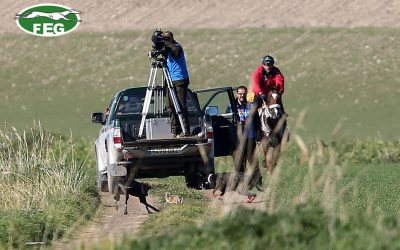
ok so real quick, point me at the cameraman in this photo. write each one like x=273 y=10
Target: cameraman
x=180 y=78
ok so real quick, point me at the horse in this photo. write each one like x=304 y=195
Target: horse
x=273 y=128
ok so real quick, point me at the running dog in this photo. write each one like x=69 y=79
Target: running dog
x=137 y=189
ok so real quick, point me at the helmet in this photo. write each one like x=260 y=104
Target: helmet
x=268 y=60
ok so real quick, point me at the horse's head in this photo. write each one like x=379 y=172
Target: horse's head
x=273 y=103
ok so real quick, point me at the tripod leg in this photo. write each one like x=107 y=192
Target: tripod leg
x=147 y=99
x=174 y=99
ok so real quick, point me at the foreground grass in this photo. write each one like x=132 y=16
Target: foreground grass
x=299 y=227
x=45 y=187
x=319 y=207
x=341 y=195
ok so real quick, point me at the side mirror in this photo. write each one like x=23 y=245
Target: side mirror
x=98 y=117
x=212 y=110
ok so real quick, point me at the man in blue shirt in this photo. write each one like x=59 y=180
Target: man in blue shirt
x=246 y=128
x=176 y=64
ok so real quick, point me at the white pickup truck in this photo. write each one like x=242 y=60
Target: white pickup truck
x=121 y=153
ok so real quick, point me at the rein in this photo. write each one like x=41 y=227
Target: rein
x=272 y=106
x=272 y=115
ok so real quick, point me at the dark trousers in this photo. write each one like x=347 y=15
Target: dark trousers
x=181 y=89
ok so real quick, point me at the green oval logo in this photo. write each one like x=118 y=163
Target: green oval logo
x=48 y=20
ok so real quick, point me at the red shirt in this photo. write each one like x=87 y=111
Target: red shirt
x=263 y=83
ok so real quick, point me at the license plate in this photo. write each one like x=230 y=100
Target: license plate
x=164 y=151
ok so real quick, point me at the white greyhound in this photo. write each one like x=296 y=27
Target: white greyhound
x=53 y=15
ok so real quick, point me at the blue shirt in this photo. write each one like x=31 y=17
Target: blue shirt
x=243 y=112
x=177 y=66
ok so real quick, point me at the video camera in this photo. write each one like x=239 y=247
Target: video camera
x=158 y=44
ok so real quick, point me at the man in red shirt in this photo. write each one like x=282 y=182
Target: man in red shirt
x=267 y=77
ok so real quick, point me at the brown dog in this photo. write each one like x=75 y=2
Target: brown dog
x=137 y=189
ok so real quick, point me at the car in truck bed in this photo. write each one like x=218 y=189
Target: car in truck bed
x=121 y=153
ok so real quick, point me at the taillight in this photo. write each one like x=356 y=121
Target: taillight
x=209 y=131
x=117 y=140
x=210 y=136
x=117 y=136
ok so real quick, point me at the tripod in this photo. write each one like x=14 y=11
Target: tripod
x=157 y=91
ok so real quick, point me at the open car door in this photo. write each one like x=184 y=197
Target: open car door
x=218 y=103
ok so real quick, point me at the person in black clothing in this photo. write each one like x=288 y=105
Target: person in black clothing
x=247 y=143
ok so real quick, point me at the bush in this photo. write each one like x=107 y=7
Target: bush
x=44 y=187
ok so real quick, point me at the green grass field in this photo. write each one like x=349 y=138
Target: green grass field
x=345 y=80
x=341 y=87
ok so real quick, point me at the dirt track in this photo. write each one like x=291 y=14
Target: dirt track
x=108 y=223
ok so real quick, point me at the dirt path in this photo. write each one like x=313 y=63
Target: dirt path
x=108 y=223
x=231 y=200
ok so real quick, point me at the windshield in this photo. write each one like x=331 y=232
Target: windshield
x=131 y=103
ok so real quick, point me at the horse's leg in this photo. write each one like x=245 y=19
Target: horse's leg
x=262 y=148
x=286 y=135
x=268 y=160
x=265 y=148
x=274 y=158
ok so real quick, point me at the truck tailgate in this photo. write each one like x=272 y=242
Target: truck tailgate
x=177 y=147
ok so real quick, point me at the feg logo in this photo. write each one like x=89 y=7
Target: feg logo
x=48 y=20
